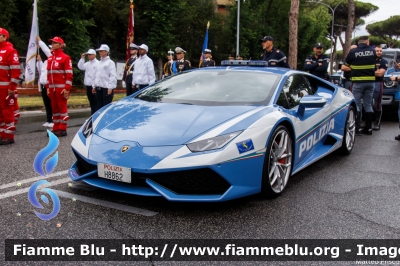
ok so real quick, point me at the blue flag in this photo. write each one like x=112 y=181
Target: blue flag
x=205 y=43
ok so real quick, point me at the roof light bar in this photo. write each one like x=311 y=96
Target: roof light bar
x=244 y=63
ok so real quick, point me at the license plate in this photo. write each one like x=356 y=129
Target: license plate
x=114 y=172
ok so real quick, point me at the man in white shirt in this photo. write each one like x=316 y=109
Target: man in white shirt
x=143 y=74
x=42 y=70
x=90 y=71
x=105 y=79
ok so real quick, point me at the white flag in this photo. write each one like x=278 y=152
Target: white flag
x=30 y=67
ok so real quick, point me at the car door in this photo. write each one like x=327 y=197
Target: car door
x=312 y=127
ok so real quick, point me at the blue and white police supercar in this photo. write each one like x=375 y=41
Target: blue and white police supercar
x=215 y=134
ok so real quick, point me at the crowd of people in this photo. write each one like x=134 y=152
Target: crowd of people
x=363 y=70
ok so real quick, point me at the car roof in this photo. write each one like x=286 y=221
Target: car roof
x=391 y=50
x=272 y=70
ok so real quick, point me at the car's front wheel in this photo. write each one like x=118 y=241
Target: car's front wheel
x=349 y=134
x=278 y=163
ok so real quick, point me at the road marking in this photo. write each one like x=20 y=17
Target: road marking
x=63 y=194
x=104 y=203
x=13 y=184
x=25 y=190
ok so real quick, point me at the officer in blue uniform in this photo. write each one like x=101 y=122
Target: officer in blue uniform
x=169 y=66
x=317 y=64
x=129 y=66
x=181 y=63
x=273 y=56
x=381 y=66
x=361 y=62
x=207 y=62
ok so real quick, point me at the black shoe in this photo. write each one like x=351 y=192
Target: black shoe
x=376 y=127
x=367 y=131
x=397 y=137
x=6 y=141
x=61 y=133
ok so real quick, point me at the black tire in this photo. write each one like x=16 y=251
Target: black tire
x=349 y=134
x=278 y=163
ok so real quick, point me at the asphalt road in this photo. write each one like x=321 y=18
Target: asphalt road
x=339 y=197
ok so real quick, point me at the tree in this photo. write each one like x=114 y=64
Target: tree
x=70 y=21
x=350 y=26
x=293 y=30
x=387 y=30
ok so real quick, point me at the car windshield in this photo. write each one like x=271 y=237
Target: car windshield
x=389 y=56
x=213 y=87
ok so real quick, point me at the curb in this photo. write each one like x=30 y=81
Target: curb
x=41 y=108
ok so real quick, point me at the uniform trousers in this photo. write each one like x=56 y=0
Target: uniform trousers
x=59 y=109
x=47 y=104
x=7 y=126
x=92 y=99
x=378 y=91
x=364 y=91
x=102 y=98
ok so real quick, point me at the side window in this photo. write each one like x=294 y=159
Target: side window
x=295 y=87
x=282 y=101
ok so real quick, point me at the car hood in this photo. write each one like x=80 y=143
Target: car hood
x=160 y=124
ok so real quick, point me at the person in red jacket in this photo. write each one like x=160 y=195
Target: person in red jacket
x=59 y=83
x=10 y=70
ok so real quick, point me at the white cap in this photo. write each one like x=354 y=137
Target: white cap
x=179 y=50
x=133 y=46
x=103 y=47
x=91 y=51
x=144 y=47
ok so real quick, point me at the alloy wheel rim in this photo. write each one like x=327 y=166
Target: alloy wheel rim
x=350 y=130
x=280 y=161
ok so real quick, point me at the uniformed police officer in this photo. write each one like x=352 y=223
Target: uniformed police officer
x=207 y=62
x=129 y=65
x=181 y=63
x=346 y=75
x=170 y=66
x=317 y=64
x=361 y=62
x=273 y=56
x=381 y=66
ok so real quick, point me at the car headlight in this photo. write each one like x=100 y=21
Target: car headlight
x=88 y=128
x=389 y=83
x=212 y=143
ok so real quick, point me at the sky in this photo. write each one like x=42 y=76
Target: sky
x=387 y=8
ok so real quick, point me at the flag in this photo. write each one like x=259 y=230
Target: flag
x=205 y=43
x=30 y=68
x=131 y=25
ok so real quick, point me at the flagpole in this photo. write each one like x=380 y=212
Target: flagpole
x=205 y=43
x=238 y=26
x=30 y=67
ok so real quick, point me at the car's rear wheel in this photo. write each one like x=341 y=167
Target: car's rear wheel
x=349 y=131
x=278 y=163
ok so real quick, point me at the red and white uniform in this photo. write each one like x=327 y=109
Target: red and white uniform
x=10 y=71
x=59 y=77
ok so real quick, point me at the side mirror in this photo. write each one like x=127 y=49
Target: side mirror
x=311 y=101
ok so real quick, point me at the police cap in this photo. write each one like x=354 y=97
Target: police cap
x=267 y=38
x=318 y=45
